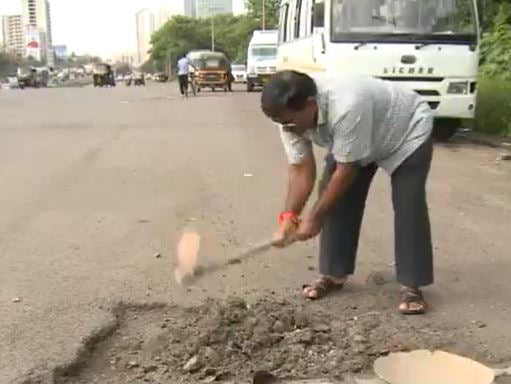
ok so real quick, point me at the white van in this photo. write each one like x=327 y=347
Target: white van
x=431 y=45
x=261 y=58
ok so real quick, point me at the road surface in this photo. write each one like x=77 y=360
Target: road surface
x=96 y=182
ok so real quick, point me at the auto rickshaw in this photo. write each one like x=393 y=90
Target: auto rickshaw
x=103 y=75
x=32 y=77
x=138 y=78
x=212 y=71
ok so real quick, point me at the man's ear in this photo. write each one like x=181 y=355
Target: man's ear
x=311 y=102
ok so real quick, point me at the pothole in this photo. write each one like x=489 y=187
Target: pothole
x=230 y=340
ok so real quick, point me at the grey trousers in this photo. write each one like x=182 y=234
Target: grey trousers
x=412 y=233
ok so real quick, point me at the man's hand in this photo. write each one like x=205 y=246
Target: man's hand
x=285 y=233
x=310 y=227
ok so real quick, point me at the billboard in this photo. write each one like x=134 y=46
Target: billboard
x=60 y=51
x=32 y=42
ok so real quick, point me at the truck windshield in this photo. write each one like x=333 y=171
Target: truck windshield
x=265 y=52
x=24 y=71
x=404 y=20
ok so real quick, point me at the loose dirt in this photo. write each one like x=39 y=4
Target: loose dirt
x=230 y=340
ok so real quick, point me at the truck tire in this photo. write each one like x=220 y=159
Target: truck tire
x=250 y=86
x=445 y=128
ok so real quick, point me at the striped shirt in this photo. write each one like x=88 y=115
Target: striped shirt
x=364 y=121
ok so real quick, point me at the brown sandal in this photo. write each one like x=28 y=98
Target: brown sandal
x=412 y=296
x=322 y=286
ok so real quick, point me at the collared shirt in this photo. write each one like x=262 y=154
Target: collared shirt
x=364 y=120
x=182 y=66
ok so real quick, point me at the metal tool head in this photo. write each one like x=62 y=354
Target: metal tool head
x=188 y=270
x=187 y=256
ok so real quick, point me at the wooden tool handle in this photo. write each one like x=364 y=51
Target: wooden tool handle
x=201 y=271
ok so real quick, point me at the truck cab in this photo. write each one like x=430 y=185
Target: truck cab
x=261 y=58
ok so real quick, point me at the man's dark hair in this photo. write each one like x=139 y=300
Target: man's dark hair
x=287 y=89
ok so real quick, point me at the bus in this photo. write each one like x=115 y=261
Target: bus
x=430 y=45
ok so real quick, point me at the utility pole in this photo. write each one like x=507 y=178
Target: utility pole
x=212 y=25
x=213 y=33
x=264 y=15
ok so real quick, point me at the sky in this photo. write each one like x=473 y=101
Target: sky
x=99 y=27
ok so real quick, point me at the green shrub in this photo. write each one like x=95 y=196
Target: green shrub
x=493 y=112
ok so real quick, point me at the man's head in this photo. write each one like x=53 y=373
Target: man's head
x=289 y=98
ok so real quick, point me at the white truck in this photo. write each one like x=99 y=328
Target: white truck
x=430 y=45
x=261 y=58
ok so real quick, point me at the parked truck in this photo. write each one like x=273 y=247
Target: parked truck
x=261 y=58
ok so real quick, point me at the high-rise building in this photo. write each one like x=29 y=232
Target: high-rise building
x=12 y=31
x=183 y=7
x=149 y=21
x=145 y=29
x=61 y=52
x=36 y=20
x=161 y=16
x=207 y=8
x=124 y=58
x=189 y=8
x=239 y=7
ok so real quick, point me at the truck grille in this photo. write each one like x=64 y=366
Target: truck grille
x=411 y=78
x=427 y=92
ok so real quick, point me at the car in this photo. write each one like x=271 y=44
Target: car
x=239 y=71
x=161 y=77
x=12 y=82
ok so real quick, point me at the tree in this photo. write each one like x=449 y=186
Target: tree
x=496 y=46
x=122 y=68
x=181 y=35
x=271 y=12
x=7 y=64
x=232 y=33
x=148 y=67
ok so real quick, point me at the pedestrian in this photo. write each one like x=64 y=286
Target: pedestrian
x=230 y=77
x=191 y=78
x=365 y=124
x=182 y=73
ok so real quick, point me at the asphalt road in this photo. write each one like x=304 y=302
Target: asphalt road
x=95 y=182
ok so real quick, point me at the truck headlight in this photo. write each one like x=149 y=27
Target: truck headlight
x=458 y=88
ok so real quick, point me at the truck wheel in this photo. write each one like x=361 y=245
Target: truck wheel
x=445 y=128
x=250 y=86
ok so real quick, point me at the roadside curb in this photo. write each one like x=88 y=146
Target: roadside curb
x=491 y=141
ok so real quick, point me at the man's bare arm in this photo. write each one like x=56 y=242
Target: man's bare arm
x=300 y=184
